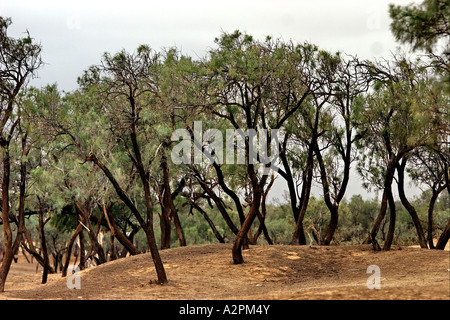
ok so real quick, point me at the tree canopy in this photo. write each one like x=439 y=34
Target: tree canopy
x=158 y=149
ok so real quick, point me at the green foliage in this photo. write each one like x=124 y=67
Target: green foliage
x=421 y=25
x=128 y=105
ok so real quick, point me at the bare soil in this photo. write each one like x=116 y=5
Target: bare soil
x=277 y=272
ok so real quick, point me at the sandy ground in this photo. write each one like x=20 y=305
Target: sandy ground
x=278 y=272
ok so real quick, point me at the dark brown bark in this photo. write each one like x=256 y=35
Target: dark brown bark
x=169 y=201
x=287 y=175
x=262 y=228
x=115 y=231
x=443 y=239
x=10 y=246
x=112 y=250
x=237 y=246
x=27 y=244
x=379 y=219
x=43 y=241
x=434 y=196
x=75 y=234
x=147 y=226
x=7 y=233
x=332 y=206
x=92 y=236
x=229 y=192
x=165 y=223
x=408 y=206
x=219 y=203
x=298 y=236
x=262 y=216
x=210 y=222
x=392 y=210
x=82 y=249
x=22 y=61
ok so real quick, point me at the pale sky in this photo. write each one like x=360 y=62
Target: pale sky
x=75 y=34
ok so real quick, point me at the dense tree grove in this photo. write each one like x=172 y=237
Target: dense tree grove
x=141 y=156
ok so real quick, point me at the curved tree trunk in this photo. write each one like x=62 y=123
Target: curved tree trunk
x=298 y=236
x=165 y=224
x=242 y=234
x=332 y=225
x=210 y=222
x=445 y=236
x=169 y=201
x=75 y=234
x=8 y=253
x=431 y=204
x=43 y=241
x=392 y=211
x=146 y=226
x=217 y=201
x=116 y=233
x=378 y=220
x=408 y=206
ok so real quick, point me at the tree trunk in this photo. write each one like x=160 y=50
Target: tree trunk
x=332 y=207
x=329 y=233
x=287 y=175
x=433 y=199
x=82 y=249
x=146 y=226
x=116 y=233
x=392 y=212
x=168 y=194
x=379 y=219
x=165 y=224
x=216 y=200
x=92 y=236
x=10 y=246
x=242 y=234
x=43 y=241
x=77 y=231
x=144 y=175
x=443 y=239
x=262 y=228
x=262 y=215
x=112 y=250
x=409 y=207
x=299 y=234
x=230 y=193
x=150 y=235
x=430 y=220
x=210 y=222
x=8 y=253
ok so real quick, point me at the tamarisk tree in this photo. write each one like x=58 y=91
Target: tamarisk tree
x=19 y=61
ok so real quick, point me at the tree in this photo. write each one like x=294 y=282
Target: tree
x=293 y=91
x=429 y=169
x=426 y=27
x=19 y=61
x=398 y=117
x=244 y=73
x=346 y=85
x=128 y=84
x=423 y=25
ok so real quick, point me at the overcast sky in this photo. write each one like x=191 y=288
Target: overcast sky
x=74 y=34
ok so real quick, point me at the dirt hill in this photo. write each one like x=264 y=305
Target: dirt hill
x=269 y=272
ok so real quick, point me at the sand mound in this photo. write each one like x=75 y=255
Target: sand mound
x=269 y=272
